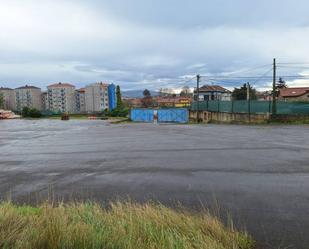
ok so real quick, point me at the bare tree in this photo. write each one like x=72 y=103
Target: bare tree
x=185 y=92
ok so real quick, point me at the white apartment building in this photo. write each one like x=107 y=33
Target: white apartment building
x=80 y=100
x=8 y=97
x=45 y=106
x=28 y=96
x=96 y=96
x=61 y=97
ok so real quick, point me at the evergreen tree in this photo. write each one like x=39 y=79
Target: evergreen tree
x=119 y=99
x=146 y=93
x=120 y=110
x=241 y=93
x=281 y=83
x=1 y=101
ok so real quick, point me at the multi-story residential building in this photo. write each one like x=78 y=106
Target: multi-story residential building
x=45 y=106
x=99 y=97
x=8 y=98
x=80 y=100
x=212 y=92
x=28 y=96
x=61 y=97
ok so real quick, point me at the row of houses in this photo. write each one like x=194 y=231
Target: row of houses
x=216 y=92
x=168 y=101
x=61 y=98
x=287 y=94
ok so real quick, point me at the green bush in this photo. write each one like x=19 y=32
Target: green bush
x=118 y=112
x=31 y=113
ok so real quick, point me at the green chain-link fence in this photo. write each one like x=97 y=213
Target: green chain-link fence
x=253 y=106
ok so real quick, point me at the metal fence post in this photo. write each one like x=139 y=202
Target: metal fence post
x=249 y=109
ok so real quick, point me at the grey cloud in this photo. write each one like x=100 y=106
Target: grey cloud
x=146 y=43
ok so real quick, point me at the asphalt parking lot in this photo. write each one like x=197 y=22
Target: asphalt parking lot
x=259 y=174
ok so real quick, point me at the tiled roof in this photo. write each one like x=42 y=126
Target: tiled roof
x=5 y=88
x=61 y=85
x=294 y=92
x=28 y=87
x=213 y=88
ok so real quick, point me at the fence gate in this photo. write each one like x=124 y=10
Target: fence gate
x=142 y=115
x=172 y=115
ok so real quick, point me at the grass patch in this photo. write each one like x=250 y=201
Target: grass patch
x=120 y=226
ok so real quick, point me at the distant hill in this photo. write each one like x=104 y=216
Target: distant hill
x=137 y=93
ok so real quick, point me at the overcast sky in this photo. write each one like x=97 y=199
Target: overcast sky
x=143 y=43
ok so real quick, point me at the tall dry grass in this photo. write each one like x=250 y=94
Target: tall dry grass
x=121 y=226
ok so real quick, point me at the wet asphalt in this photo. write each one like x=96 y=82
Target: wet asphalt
x=257 y=174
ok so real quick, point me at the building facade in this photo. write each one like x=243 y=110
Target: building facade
x=45 y=106
x=61 y=98
x=133 y=102
x=28 y=96
x=8 y=98
x=213 y=92
x=97 y=97
x=173 y=101
x=80 y=100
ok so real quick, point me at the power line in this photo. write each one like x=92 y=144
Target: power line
x=293 y=63
x=254 y=77
x=248 y=70
x=296 y=67
x=260 y=78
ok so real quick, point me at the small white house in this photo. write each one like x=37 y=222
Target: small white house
x=213 y=92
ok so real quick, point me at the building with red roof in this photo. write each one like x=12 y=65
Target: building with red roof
x=294 y=94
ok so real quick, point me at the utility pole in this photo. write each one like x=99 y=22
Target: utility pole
x=198 y=77
x=274 y=107
x=248 y=100
x=248 y=91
